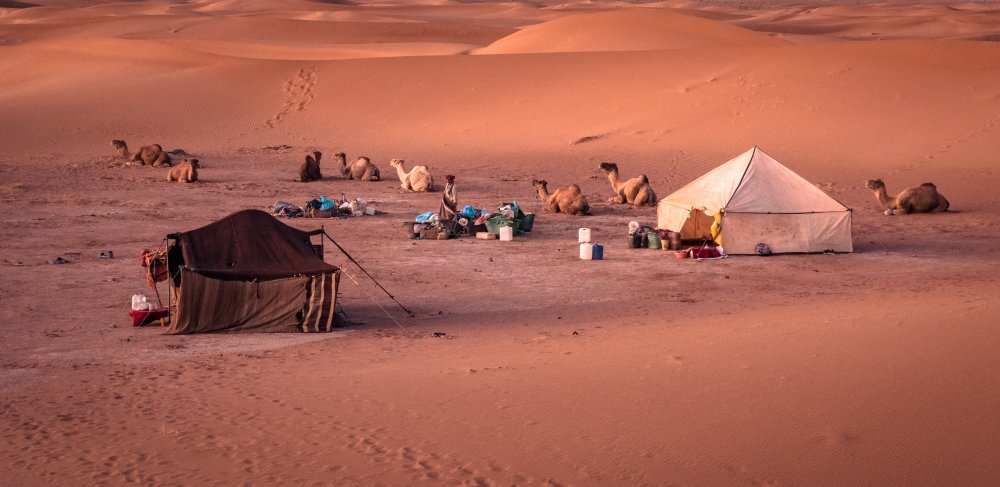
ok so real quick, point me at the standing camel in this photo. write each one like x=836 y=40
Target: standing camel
x=921 y=199
x=635 y=191
x=568 y=199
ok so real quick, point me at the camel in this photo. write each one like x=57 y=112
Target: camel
x=635 y=191
x=417 y=179
x=185 y=172
x=921 y=199
x=568 y=199
x=309 y=170
x=152 y=155
x=361 y=169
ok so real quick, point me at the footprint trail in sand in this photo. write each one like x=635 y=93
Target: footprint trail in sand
x=297 y=93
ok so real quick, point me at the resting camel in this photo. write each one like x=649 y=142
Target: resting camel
x=921 y=199
x=568 y=199
x=417 y=179
x=361 y=169
x=185 y=172
x=152 y=155
x=635 y=191
x=309 y=170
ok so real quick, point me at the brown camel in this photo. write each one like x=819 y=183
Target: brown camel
x=152 y=155
x=921 y=199
x=568 y=199
x=185 y=172
x=361 y=169
x=635 y=191
x=417 y=179
x=309 y=170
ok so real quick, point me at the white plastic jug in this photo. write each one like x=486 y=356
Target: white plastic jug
x=584 y=235
x=507 y=233
x=139 y=301
x=586 y=251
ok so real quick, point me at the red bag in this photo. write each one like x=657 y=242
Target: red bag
x=705 y=253
x=157 y=316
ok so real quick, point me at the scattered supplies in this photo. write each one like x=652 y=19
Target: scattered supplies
x=508 y=221
x=323 y=207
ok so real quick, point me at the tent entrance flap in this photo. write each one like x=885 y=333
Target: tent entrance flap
x=698 y=226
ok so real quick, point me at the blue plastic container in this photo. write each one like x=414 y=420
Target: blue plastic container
x=598 y=252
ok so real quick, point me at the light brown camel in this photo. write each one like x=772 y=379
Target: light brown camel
x=635 y=191
x=921 y=199
x=185 y=172
x=152 y=155
x=361 y=169
x=417 y=179
x=568 y=199
x=309 y=170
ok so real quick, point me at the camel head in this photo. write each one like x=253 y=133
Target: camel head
x=318 y=155
x=194 y=163
x=539 y=183
x=340 y=157
x=874 y=184
x=396 y=162
x=609 y=167
x=120 y=147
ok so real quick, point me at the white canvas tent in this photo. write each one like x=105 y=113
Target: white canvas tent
x=758 y=200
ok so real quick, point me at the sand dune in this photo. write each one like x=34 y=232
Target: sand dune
x=625 y=30
x=875 y=367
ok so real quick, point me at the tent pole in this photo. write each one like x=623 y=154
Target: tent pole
x=367 y=274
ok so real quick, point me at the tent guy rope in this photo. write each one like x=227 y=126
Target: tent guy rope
x=387 y=293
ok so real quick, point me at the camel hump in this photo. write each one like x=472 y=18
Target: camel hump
x=643 y=179
x=930 y=185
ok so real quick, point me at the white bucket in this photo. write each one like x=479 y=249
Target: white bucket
x=507 y=233
x=138 y=301
x=369 y=210
x=584 y=235
x=586 y=251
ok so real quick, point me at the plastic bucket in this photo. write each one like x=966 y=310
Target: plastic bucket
x=506 y=234
x=586 y=251
x=598 y=252
x=492 y=226
x=527 y=222
x=583 y=235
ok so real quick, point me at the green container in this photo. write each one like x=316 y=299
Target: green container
x=653 y=240
x=493 y=225
x=527 y=222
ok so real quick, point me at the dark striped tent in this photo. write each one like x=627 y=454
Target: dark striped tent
x=249 y=272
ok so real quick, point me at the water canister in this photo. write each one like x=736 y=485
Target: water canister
x=584 y=235
x=598 y=252
x=507 y=233
x=138 y=301
x=586 y=251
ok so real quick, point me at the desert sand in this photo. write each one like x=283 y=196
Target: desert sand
x=877 y=367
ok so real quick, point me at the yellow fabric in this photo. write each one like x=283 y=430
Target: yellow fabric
x=717 y=229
